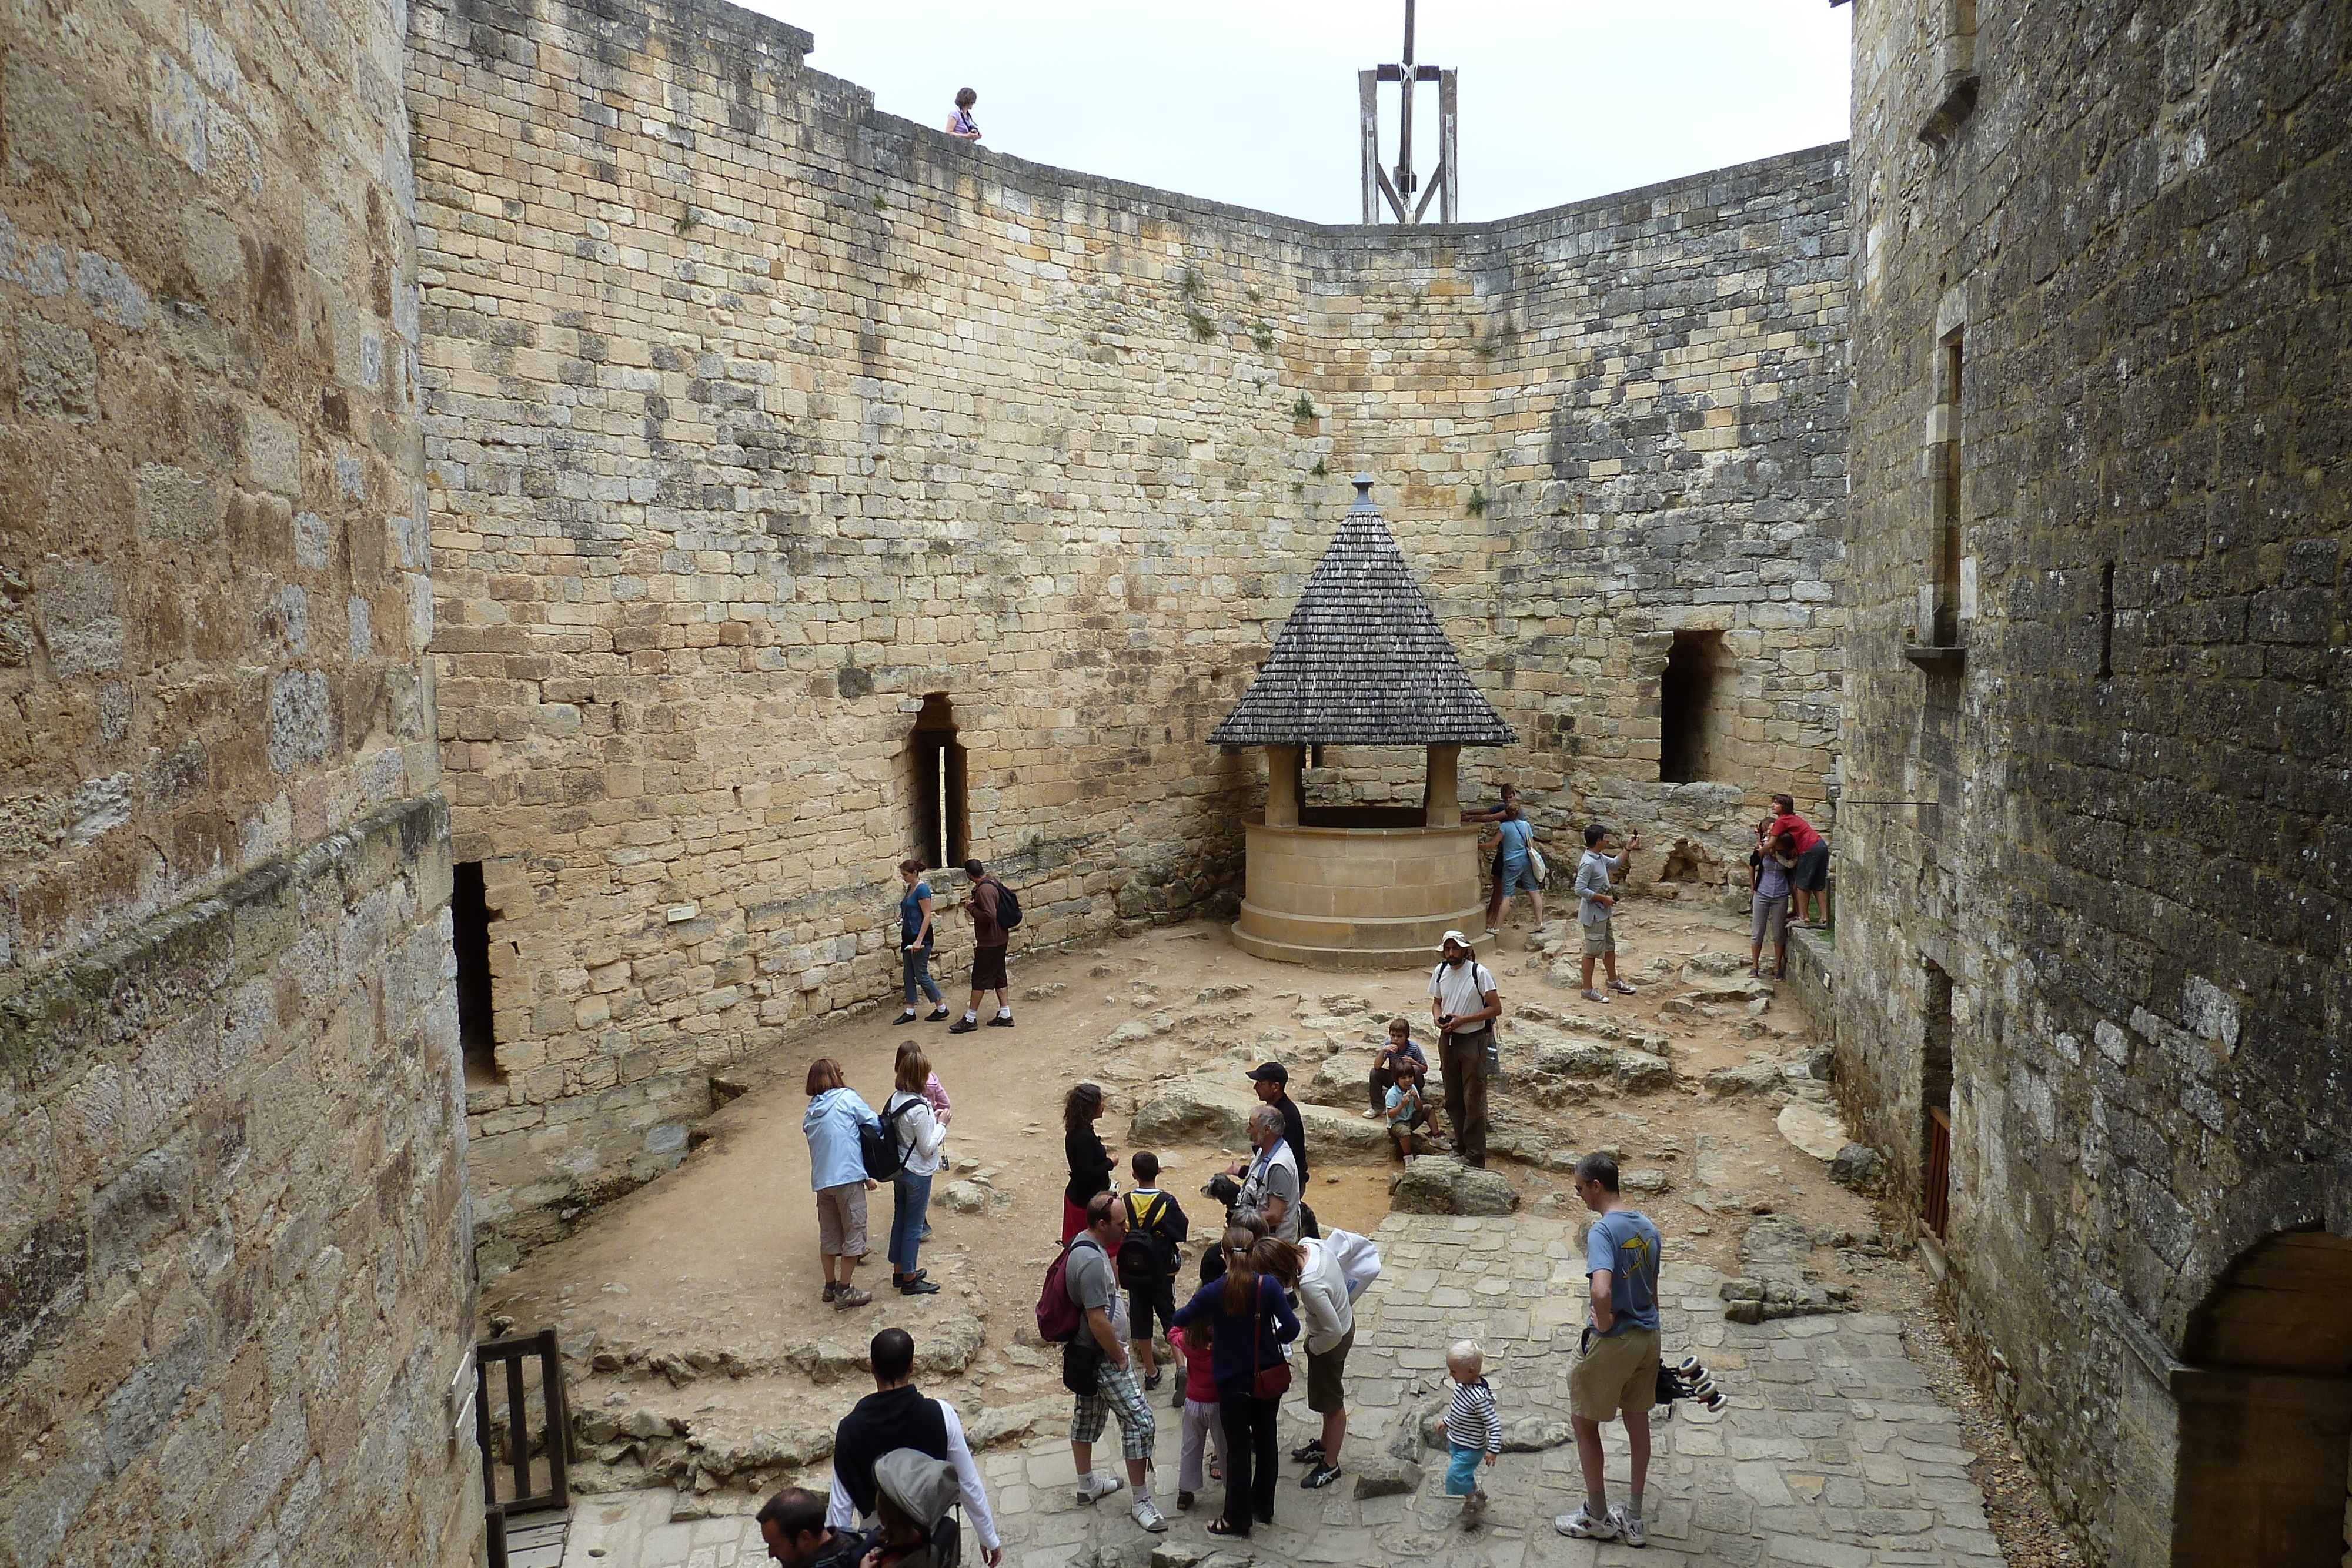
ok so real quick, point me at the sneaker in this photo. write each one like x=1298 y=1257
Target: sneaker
x=1097 y=1485
x=907 y=1017
x=935 y=1016
x=832 y=1289
x=962 y=1026
x=1634 y=1532
x=1146 y=1514
x=1005 y=1021
x=918 y=1288
x=1621 y=988
x=1584 y=1527
x=1371 y=1116
x=851 y=1297
x=1151 y=1383
x=1592 y=995
x=1311 y=1454
x=1321 y=1476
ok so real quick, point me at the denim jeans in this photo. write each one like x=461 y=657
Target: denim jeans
x=911 y=1199
x=915 y=964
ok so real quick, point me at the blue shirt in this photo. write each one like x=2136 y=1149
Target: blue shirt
x=1626 y=1245
x=1772 y=878
x=1239 y=1352
x=832 y=1125
x=910 y=914
x=1517 y=837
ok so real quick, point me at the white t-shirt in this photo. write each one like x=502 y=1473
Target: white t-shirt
x=1463 y=991
x=919 y=1134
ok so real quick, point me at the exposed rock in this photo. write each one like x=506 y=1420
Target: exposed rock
x=1813 y=1130
x=1216 y=1111
x=965 y=1197
x=1009 y=1421
x=1753 y=1077
x=1647 y=1180
x=1739 y=988
x=1713 y=966
x=1533 y=1434
x=1223 y=993
x=1775 y=1238
x=1174 y=1555
x=1044 y=993
x=1385 y=1477
x=1857 y=1166
x=1440 y=1184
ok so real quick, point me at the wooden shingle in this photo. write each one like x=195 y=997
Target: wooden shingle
x=1362 y=660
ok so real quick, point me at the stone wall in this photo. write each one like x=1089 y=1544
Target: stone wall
x=235 y=1281
x=756 y=417
x=2130 y=847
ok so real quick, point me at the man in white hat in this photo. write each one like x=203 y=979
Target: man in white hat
x=1465 y=1003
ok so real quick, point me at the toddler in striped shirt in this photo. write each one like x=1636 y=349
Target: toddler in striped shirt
x=1473 y=1429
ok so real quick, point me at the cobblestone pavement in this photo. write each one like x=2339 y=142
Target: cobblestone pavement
x=1830 y=1453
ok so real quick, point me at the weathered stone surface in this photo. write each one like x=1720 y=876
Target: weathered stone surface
x=1383 y=1476
x=1812 y=1130
x=1441 y=1184
x=1859 y=1166
x=1217 y=1110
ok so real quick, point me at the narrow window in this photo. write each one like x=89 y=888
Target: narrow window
x=469 y=920
x=2107 y=622
x=1688 y=702
x=1947 y=503
x=941 y=825
x=1314 y=753
x=1935 y=1100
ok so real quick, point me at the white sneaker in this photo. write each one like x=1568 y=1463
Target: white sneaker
x=1091 y=1487
x=1371 y=1116
x=1635 y=1532
x=1147 y=1513
x=1584 y=1527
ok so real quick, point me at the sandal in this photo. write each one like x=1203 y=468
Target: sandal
x=1219 y=1527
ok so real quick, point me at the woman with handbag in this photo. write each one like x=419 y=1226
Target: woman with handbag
x=1253 y=1321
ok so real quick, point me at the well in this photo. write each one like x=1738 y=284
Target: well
x=1361 y=660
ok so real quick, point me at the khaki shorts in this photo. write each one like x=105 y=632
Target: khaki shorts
x=1620 y=1373
x=1599 y=939
x=1324 y=1370
x=841 y=1221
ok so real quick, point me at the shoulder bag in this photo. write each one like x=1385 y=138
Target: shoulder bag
x=1266 y=1382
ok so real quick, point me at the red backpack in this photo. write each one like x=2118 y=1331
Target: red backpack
x=1058 y=1316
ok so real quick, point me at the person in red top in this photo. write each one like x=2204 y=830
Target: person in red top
x=989 y=940
x=1811 y=880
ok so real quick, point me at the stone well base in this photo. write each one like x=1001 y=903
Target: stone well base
x=1344 y=897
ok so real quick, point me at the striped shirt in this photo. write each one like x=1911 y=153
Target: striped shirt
x=1470 y=1419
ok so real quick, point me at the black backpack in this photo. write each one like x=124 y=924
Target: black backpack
x=1008 y=906
x=1145 y=1257
x=880 y=1146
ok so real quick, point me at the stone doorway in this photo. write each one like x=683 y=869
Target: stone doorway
x=2265 y=1464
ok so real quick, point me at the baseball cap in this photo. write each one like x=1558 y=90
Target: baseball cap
x=1270 y=1072
x=1453 y=936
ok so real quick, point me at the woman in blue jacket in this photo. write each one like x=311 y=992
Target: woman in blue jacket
x=835 y=1119
x=1253 y=1321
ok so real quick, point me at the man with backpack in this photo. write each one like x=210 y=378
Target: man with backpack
x=897 y=1416
x=1148 y=1261
x=1081 y=1307
x=994 y=913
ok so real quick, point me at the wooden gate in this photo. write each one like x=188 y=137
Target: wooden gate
x=1938 y=1194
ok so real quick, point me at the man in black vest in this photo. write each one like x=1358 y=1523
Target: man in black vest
x=897 y=1416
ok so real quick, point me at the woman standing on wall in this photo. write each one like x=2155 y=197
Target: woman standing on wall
x=1090 y=1163
x=835 y=1120
x=913 y=1121
x=962 y=123
x=918 y=940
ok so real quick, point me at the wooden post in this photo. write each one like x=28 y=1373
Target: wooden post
x=1368 y=90
x=1282 y=786
x=1443 y=796
x=1449 y=205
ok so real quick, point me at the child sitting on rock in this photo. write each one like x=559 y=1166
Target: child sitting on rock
x=1400 y=1047
x=1406 y=1114
x=1471 y=1427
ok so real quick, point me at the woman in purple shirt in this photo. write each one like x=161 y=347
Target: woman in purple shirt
x=962 y=123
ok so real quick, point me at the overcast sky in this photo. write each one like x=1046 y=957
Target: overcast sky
x=1255 y=104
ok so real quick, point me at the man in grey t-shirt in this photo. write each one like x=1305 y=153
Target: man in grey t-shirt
x=1596 y=904
x=1271 y=1190
x=1091 y=1277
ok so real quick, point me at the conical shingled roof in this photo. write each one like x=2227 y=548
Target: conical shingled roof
x=1362 y=660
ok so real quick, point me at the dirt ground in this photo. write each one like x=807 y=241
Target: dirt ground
x=721 y=1255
